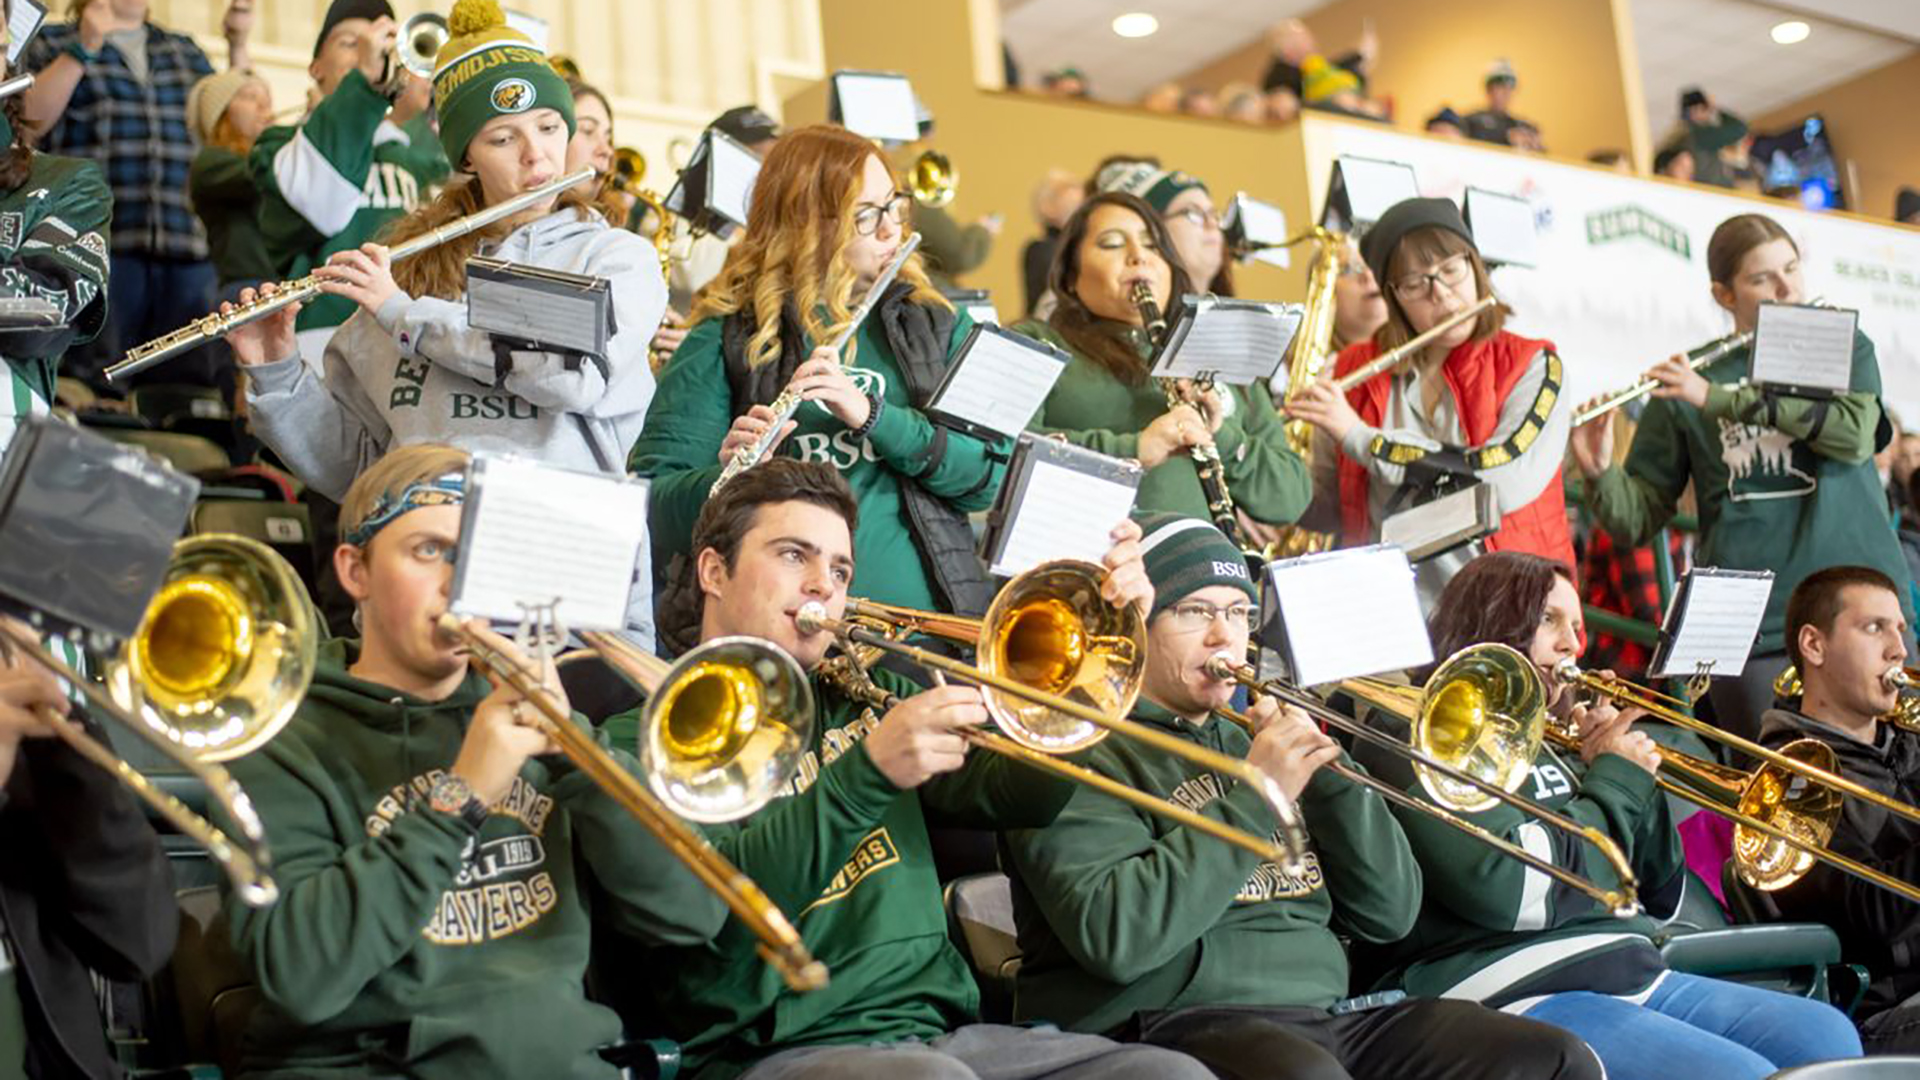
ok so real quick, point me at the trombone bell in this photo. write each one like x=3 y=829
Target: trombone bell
x=1051 y=631
x=1793 y=803
x=1485 y=715
x=932 y=179
x=725 y=730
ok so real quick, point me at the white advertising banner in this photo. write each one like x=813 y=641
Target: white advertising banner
x=1621 y=280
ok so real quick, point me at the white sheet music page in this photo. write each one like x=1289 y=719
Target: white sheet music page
x=1063 y=514
x=877 y=106
x=730 y=180
x=547 y=317
x=999 y=383
x=26 y=18
x=1350 y=612
x=1236 y=345
x=1265 y=223
x=1375 y=186
x=540 y=534
x=1718 y=625
x=1802 y=345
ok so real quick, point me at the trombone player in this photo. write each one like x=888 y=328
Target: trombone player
x=430 y=857
x=846 y=852
x=1846 y=635
x=1136 y=928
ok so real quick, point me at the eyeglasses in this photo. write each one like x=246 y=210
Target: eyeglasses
x=1449 y=273
x=1193 y=616
x=1195 y=217
x=866 y=220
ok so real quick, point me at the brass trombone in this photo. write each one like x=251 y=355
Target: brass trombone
x=1784 y=812
x=1062 y=669
x=724 y=728
x=221 y=660
x=1473 y=734
x=932 y=179
x=1904 y=681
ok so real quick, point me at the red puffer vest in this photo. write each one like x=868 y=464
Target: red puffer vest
x=1480 y=376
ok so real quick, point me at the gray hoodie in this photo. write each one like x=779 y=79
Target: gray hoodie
x=417 y=373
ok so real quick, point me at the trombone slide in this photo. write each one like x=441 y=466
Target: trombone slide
x=215 y=325
x=780 y=943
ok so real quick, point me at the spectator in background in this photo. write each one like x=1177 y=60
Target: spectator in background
x=1055 y=198
x=1906 y=206
x=1674 y=162
x=1710 y=131
x=1314 y=80
x=1245 y=103
x=112 y=88
x=1616 y=160
x=950 y=248
x=1164 y=98
x=1447 y=124
x=1065 y=82
x=1496 y=123
x=1200 y=103
x=226 y=113
x=1283 y=106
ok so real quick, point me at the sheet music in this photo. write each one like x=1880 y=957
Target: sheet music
x=547 y=317
x=1374 y=186
x=983 y=312
x=1804 y=346
x=1718 y=625
x=1264 y=223
x=1350 y=612
x=1236 y=344
x=730 y=177
x=536 y=534
x=1503 y=228
x=877 y=106
x=999 y=382
x=1063 y=514
x=21 y=26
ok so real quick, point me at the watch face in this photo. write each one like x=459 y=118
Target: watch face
x=449 y=794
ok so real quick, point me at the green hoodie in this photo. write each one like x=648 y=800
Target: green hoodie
x=1091 y=408
x=1793 y=494
x=53 y=244
x=846 y=856
x=1121 y=910
x=1494 y=931
x=405 y=943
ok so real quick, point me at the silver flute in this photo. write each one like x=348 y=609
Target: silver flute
x=788 y=402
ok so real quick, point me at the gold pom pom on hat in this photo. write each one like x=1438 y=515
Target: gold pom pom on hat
x=475 y=16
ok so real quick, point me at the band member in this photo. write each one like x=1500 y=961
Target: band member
x=1494 y=931
x=1845 y=632
x=1186 y=208
x=846 y=853
x=407 y=367
x=428 y=852
x=363 y=158
x=84 y=888
x=826 y=219
x=1137 y=927
x=1784 y=483
x=1478 y=403
x=1106 y=402
x=54 y=213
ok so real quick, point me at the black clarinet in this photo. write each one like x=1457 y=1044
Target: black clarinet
x=1206 y=459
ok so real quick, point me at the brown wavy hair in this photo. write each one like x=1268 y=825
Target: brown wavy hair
x=1428 y=245
x=1498 y=597
x=799 y=225
x=1101 y=340
x=442 y=271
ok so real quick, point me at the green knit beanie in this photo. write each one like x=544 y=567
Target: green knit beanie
x=488 y=69
x=1184 y=555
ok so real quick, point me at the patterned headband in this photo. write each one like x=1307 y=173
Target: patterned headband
x=448 y=490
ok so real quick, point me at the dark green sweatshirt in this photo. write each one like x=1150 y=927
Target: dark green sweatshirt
x=1091 y=408
x=1121 y=910
x=679 y=451
x=846 y=856
x=220 y=184
x=1793 y=494
x=1493 y=930
x=403 y=943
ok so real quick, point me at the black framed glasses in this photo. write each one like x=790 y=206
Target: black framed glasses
x=1449 y=273
x=866 y=220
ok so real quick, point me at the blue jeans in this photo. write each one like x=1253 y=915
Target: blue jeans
x=1700 y=1028
x=145 y=299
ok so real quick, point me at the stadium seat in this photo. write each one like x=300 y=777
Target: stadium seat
x=980 y=922
x=188 y=453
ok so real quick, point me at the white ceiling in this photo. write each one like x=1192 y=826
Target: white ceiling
x=1722 y=45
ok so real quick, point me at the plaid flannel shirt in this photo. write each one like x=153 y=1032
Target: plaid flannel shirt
x=137 y=132
x=1623 y=580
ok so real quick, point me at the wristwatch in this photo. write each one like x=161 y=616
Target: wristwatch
x=452 y=795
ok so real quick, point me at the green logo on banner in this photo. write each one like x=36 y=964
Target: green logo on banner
x=1626 y=222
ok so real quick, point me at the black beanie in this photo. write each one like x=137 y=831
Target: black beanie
x=1403 y=217
x=1692 y=96
x=341 y=10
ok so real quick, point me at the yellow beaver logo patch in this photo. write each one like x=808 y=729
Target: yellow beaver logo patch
x=512 y=96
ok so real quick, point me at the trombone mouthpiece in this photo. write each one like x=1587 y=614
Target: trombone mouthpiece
x=1897 y=678
x=1222 y=666
x=1567 y=671
x=812 y=617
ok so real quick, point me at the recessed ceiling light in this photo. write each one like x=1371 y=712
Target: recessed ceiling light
x=1791 y=32
x=1135 y=24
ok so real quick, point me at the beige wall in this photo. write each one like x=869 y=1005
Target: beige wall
x=1002 y=142
x=1571 y=81
x=669 y=65
x=1867 y=128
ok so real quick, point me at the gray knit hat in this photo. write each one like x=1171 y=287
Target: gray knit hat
x=1184 y=555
